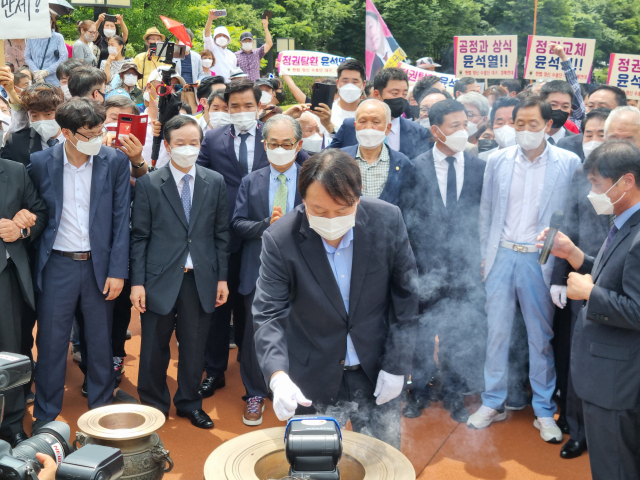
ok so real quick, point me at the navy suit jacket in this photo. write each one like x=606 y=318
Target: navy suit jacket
x=109 y=210
x=250 y=219
x=414 y=138
x=573 y=143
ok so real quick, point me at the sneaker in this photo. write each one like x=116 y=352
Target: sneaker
x=232 y=342
x=253 y=413
x=549 y=431
x=485 y=416
x=85 y=391
x=118 y=365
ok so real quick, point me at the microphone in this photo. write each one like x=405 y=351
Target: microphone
x=554 y=225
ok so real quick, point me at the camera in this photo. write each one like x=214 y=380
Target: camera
x=168 y=51
x=92 y=462
x=313 y=447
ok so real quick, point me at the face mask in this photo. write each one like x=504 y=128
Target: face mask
x=247 y=47
x=457 y=140
x=505 y=136
x=486 y=144
x=425 y=123
x=222 y=42
x=65 y=90
x=109 y=32
x=207 y=62
x=602 y=204
x=414 y=111
x=185 y=156
x=397 y=106
x=332 y=228
x=5 y=122
x=281 y=157
x=589 y=147
x=243 y=121
x=280 y=96
x=92 y=147
x=472 y=128
x=130 y=80
x=312 y=144
x=350 y=93
x=559 y=118
x=370 y=138
x=113 y=50
x=529 y=140
x=46 y=128
x=88 y=37
x=265 y=98
x=146 y=97
x=218 y=119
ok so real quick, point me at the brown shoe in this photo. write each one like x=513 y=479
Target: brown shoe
x=253 y=413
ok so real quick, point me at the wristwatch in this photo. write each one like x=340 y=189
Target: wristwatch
x=138 y=166
x=24 y=232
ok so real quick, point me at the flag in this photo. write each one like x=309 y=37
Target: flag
x=380 y=45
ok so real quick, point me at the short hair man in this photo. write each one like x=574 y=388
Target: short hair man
x=606 y=96
x=478 y=109
x=63 y=71
x=131 y=146
x=513 y=86
x=333 y=235
x=217 y=112
x=465 y=85
x=314 y=134
x=88 y=82
x=523 y=186
x=351 y=82
x=559 y=94
x=623 y=124
x=424 y=84
x=501 y=119
x=248 y=58
x=206 y=87
x=591 y=137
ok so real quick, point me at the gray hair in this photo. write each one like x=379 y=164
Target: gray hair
x=387 y=110
x=618 y=112
x=477 y=100
x=313 y=117
x=297 y=129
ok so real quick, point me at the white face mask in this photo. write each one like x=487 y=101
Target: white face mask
x=602 y=204
x=65 y=90
x=130 y=79
x=457 y=140
x=350 y=93
x=92 y=147
x=207 y=62
x=146 y=97
x=218 y=119
x=528 y=140
x=222 y=42
x=109 y=32
x=46 y=128
x=370 y=138
x=505 y=136
x=5 y=121
x=425 y=123
x=472 y=128
x=332 y=228
x=185 y=156
x=265 y=98
x=88 y=37
x=589 y=147
x=281 y=157
x=247 y=47
x=243 y=121
x=113 y=50
x=312 y=144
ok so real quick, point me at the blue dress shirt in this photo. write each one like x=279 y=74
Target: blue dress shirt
x=274 y=183
x=341 y=259
x=186 y=72
x=621 y=219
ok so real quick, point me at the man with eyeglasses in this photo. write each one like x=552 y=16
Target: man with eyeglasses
x=88 y=82
x=426 y=100
x=83 y=254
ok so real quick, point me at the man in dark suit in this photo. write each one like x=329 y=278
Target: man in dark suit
x=560 y=96
x=445 y=231
x=592 y=135
x=335 y=304
x=265 y=196
x=233 y=151
x=179 y=250
x=23 y=215
x=605 y=359
x=391 y=86
x=83 y=253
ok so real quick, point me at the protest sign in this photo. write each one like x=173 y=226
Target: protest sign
x=300 y=62
x=416 y=73
x=624 y=73
x=541 y=64
x=488 y=56
x=380 y=45
x=395 y=59
x=23 y=19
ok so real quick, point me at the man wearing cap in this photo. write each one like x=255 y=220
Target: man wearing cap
x=146 y=66
x=237 y=74
x=225 y=58
x=427 y=63
x=248 y=58
x=129 y=77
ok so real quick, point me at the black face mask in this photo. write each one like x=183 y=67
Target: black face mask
x=280 y=96
x=397 y=105
x=486 y=144
x=559 y=118
x=414 y=111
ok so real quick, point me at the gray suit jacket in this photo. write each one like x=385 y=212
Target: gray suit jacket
x=573 y=143
x=300 y=322
x=605 y=353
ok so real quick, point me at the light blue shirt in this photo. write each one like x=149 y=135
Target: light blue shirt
x=274 y=184
x=621 y=219
x=36 y=49
x=340 y=260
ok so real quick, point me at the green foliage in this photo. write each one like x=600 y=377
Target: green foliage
x=304 y=83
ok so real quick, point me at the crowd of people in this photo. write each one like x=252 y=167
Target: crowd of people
x=338 y=247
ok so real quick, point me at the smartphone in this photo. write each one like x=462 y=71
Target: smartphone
x=323 y=93
x=221 y=13
x=266 y=14
x=111 y=18
x=131 y=124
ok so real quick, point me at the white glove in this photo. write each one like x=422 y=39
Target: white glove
x=388 y=387
x=559 y=295
x=286 y=397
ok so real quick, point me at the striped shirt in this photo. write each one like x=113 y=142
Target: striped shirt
x=37 y=51
x=374 y=175
x=578 y=113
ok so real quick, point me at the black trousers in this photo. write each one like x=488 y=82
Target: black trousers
x=575 y=415
x=13 y=304
x=191 y=324
x=613 y=439
x=250 y=370
x=561 y=342
x=216 y=357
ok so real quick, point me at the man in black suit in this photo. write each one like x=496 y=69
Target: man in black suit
x=391 y=85
x=23 y=215
x=560 y=96
x=335 y=304
x=179 y=251
x=233 y=151
x=265 y=196
x=605 y=359
x=444 y=226
x=592 y=135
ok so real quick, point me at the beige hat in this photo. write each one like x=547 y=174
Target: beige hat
x=152 y=31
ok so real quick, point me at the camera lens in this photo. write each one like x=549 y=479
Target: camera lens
x=52 y=440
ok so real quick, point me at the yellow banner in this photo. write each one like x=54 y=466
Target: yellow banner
x=395 y=59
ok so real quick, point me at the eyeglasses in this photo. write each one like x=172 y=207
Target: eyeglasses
x=101 y=135
x=424 y=110
x=286 y=146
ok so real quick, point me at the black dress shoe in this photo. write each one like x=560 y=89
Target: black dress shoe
x=85 y=390
x=413 y=407
x=459 y=412
x=210 y=384
x=572 y=449
x=198 y=418
x=563 y=425
x=37 y=425
x=18 y=438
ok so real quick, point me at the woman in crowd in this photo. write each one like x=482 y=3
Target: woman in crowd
x=107 y=30
x=83 y=48
x=208 y=62
x=114 y=61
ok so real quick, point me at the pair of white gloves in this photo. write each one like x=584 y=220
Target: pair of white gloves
x=559 y=295
x=287 y=396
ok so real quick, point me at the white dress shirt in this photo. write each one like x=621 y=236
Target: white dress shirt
x=178 y=176
x=523 y=208
x=251 y=145
x=339 y=115
x=393 y=139
x=44 y=143
x=73 y=231
x=442 y=171
x=559 y=135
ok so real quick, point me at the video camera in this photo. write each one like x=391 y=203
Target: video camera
x=168 y=51
x=92 y=462
x=313 y=447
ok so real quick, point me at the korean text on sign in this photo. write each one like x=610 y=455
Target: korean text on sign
x=492 y=56
x=416 y=73
x=299 y=62
x=624 y=73
x=24 y=19
x=541 y=64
